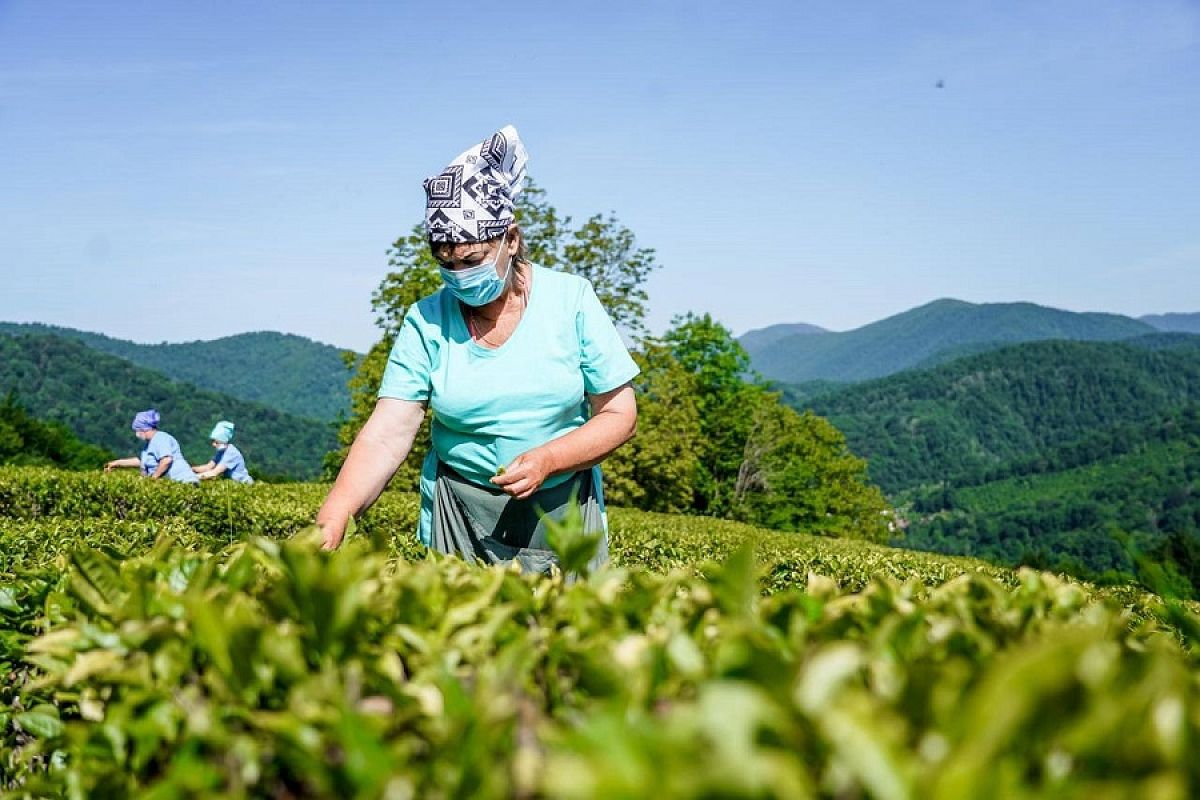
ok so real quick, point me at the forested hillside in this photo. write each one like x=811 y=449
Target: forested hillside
x=1077 y=456
x=282 y=371
x=916 y=336
x=96 y=395
x=1122 y=503
x=964 y=419
x=26 y=441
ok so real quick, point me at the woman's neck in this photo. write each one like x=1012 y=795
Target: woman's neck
x=512 y=298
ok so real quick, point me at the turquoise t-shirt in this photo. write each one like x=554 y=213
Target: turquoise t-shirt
x=161 y=445
x=490 y=405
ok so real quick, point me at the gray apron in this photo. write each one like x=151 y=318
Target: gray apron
x=486 y=525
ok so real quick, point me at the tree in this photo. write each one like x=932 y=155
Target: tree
x=717 y=364
x=797 y=474
x=657 y=469
x=761 y=461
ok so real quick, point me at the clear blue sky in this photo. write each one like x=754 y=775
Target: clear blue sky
x=172 y=171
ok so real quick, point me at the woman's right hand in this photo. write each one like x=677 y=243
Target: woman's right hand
x=109 y=466
x=332 y=532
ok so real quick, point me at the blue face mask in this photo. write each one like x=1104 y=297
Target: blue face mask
x=477 y=285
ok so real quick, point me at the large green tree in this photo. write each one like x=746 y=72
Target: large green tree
x=759 y=460
x=657 y=469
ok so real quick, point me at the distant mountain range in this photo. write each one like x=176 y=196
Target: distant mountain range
x=765 y=337
x=286 y=372
x=1181 y=323
x=96 y=395
x=924 y=336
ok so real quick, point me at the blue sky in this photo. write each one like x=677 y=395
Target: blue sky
x=174 y=171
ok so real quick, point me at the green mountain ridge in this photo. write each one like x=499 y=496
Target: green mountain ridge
x=95 y=395
x=974 y=414
x=279 y=370
x=764 y=337
x=1082 y=457
x=917 y=336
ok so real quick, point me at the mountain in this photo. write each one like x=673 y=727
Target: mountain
x=1074 y=456
x=960 y=420
x=96 y=395
x=280 y=370
x=920 y=334
x=1182 y=323
x=760 y=338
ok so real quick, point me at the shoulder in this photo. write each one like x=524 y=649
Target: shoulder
x=429 y=308
x=428 y=318
x=562 y=285
x=163 y=441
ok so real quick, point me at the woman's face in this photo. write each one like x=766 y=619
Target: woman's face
x=471 y=254
x=145 y=435
x=217 y=445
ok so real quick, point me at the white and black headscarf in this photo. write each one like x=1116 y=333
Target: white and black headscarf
x=472 y=199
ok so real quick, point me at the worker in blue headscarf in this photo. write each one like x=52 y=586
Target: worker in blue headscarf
x=228 y=460
x=161 y=456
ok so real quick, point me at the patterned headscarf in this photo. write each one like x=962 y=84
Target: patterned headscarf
x=472 y=199
x=146 y=420
x=222 y=432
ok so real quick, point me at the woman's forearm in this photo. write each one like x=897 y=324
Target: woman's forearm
x=378 y=450
x=164 y=464
x=592 y=442
x=133 y=461
x=613 y=422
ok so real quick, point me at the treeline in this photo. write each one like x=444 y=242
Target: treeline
x=709 y=441
x=29 y=442
x=95 y=396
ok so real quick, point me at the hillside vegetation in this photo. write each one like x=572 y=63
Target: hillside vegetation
x=1081 y=457
x=1122 y=504
x=961 y=420
x=96 y=395
x=906 y=340
x=26 y=441
x=161 y=640
x=282 y=371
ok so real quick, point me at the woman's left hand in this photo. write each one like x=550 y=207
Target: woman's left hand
x=525 y=475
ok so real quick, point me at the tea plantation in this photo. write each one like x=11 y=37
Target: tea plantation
x=168 y=641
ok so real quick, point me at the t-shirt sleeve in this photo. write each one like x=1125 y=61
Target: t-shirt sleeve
x=408 y=371
x=605 y=360
x=159 y=447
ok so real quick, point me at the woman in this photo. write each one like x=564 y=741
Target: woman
x=228 y=460
x=527 y=378
x=161 y=455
